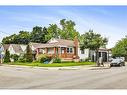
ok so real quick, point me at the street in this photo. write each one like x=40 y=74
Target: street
x=16 y=77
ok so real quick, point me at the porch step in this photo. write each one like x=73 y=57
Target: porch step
x=67 y=59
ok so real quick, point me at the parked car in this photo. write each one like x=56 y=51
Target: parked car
x=117 y=62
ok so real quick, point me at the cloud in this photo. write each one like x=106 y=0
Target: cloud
x=85 y=22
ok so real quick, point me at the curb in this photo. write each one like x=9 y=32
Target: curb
x=18 y=67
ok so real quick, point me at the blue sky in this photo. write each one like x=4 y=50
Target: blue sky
x=110 y=21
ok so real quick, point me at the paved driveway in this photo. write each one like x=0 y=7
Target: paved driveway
x=37 y=78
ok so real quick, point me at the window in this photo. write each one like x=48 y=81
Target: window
x=67 y=50
x=62 y=50
x=41 y=51
x=82 y=51
x=70 y=50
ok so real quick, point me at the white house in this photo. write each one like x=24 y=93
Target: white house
x=15 y=48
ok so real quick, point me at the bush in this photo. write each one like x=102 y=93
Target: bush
x=22 y=58
x=87 y=59
x=15 y=57
x=57 y=60
x=29 y=56
x=7 y=57
x=42 y=58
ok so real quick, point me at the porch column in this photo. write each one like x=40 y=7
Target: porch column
x=65 y=52
x=101 y=54
x=46 y=50
x=59 y=54
x=54 y=50
x=76 y=43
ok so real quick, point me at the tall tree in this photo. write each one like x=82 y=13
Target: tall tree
x=7 y=57
x=9 y=39
x=93 y=41
x=53 y=31
x=29 y=56
x=44 y=34
x=23 y=37
x=38 y=34
x=68 y=31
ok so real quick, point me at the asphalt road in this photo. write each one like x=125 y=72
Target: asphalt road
x=37 y=78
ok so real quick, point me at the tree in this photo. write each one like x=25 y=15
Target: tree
x=93 y=41
x=22 y=38
x=29 y=56
x=38 y=34
x=120 y=49
x=9 y=39
x=7 y=57
x=68 y=31
x=53 y=32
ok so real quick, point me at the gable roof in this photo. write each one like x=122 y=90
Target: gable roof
x=6 y=46
x=62 y=42
x=17 y=48
x=54 y=43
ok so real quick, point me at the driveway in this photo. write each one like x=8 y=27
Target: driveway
x=16 y=77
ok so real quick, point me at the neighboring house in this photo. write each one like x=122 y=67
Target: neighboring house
x=103 y=52
x=6 y=46
x=15 y=48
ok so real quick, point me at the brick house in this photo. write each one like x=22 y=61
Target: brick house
x=65 y=49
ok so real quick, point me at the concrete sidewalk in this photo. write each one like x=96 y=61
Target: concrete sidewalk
x=89 y=67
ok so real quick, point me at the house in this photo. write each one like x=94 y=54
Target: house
x=67 y=50
x=15 y=48
x=6 y=47
x=103 y=52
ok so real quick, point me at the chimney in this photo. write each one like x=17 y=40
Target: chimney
x=76 y=43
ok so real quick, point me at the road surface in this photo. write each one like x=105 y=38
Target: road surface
x=37 y=78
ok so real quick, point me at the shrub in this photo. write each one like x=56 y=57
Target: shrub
x=87 y=59
x=29 y=56
x=57 y=60
x=42 y=58
x=7 y=57
x=15 y=57
x=22 y=58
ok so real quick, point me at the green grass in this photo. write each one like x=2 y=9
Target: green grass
x=54 y=64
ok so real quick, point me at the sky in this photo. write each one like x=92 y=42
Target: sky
x=109 y=21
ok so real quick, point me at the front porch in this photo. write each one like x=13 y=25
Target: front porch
x=65 y=53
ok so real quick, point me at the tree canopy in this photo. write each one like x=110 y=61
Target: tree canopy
x=92 y=41
x=120 y=49
x=43 y=34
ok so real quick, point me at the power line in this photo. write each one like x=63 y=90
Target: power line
x=5 y=33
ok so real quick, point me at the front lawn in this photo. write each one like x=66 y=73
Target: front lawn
x=54 y=64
